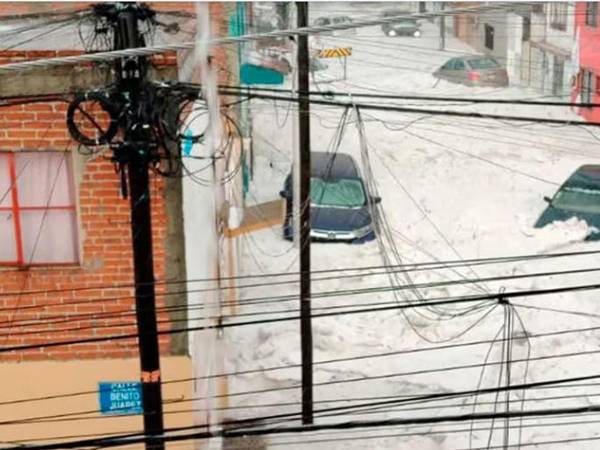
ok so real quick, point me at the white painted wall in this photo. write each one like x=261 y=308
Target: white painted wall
x=558 y=38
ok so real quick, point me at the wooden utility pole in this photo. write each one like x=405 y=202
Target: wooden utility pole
x=304 y=202
x=131 y=77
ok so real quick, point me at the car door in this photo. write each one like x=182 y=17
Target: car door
x=445 y=71
x=458 y=74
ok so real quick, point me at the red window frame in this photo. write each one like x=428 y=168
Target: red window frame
x=16 y=210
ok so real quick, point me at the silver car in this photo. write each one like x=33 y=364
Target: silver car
x=477 y=70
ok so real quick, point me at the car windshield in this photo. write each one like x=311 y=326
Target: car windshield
x=342 y=192
x=483 y=63
x=578 y=199
x=405 y=23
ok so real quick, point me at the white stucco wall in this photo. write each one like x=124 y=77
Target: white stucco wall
x=559 y=38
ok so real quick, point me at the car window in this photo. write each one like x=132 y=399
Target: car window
x=579 y=199
x=483 y=63
x=323 y=21
x=344 y=192
x=449 y=65
x=459 y=64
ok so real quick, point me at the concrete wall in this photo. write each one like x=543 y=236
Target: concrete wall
x=498 y=20
x=550 y=47
x=41 y=379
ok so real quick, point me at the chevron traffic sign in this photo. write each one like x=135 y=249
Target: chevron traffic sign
x=341 y=52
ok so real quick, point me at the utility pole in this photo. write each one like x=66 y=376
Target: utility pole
x=136 y=151
x=442 y=28
x=304 y=203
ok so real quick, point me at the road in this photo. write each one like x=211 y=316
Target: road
x=452 y=188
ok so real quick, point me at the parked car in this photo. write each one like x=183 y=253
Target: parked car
x=340 y=204
x=578 y=197
x=477 y=70
x=401 y=27
x=335 y=20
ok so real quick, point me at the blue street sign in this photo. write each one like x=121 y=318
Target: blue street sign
x=120 y=397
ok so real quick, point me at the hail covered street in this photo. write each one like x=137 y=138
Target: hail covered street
x=452 y=189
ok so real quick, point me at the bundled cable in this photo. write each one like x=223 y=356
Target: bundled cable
x=104 y=135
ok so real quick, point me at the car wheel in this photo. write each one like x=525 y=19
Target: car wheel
x=391 y=33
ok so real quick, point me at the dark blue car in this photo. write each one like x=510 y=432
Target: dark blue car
x=340 y=204
x=579 y=197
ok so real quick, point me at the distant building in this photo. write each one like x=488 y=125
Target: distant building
x=499 y=33
x=549 y=64
x=535 y=42
x=586 y=83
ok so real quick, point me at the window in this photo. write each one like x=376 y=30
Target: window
x=483 y=63
x=588 y=81
x=558 y=69
x=38 y=221
x=558 y=15
x=459 y=64
x=449 y=65
x=591 y=14
x=526 y=29
x=489 y=36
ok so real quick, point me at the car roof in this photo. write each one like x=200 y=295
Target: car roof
x=336 y=165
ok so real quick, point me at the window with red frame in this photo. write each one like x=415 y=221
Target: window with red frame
x=38 y=217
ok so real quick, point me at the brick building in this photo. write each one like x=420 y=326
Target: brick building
x=67 y=239
x=65 y=259
x=68 y=232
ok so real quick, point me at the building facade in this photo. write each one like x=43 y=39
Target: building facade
x=66 y=266
x=552 y=54
x=66 y=270
x=586 y=84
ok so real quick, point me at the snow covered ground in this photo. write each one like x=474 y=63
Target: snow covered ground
x=452 y=188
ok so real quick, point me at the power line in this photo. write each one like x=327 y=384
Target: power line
x=240 y=430
x=432 y=112
x=146 y=51
x=288 y=297
x=351 y=94
x=408 y=267
x=330 y=361
x=410 y=305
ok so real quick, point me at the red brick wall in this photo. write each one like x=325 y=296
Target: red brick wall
x=105 y=259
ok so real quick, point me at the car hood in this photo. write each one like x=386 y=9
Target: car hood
x=339 y=219
x=552 y=214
